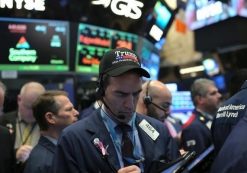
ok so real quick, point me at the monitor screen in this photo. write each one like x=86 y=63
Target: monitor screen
x=160 y=21
x=163 y=15
x=182 y=105
x=151 y=64
x=149 y=58
x=94 y=41
x=202 y=13
x=34 y=45
x=220 y=82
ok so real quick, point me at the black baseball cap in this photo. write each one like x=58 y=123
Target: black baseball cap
x=120 y=60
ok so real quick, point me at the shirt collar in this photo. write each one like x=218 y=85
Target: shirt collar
x=53 y=140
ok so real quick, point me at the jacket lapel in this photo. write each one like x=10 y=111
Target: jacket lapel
x=146 y=142
x=99 y=131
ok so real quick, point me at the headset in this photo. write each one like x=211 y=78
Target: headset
x=100 y=88
x=147 y=99
x=100 y=94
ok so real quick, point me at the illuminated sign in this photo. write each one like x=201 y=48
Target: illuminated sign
x=34 y=45
x=127 y=8
x=37 y=5
x=94 y=42
x=22 y=54
x=212 y=9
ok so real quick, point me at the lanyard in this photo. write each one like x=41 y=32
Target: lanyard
x=23 y=141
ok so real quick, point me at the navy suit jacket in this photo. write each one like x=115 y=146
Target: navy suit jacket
x=228 y=116
x=233 y=154
x=76 y=152
x=7 y=158
x=40 y=159
x=196 y=136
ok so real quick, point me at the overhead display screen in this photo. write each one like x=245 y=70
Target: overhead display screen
x=34 y=45
x=94 y=41
x=150 y=59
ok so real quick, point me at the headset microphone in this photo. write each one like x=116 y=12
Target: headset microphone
x=148 y=99
x=161 y=108
x=100 y=93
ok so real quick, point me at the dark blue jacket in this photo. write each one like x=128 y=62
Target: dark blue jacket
x=40 y=159
x=7 y=157
x=196 y=136
x=76 y=152
x=228 y=116
x=233 y=155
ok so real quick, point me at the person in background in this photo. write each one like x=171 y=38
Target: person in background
x=231 y=111
x=6 y=142
x=232 y=156
x=21 y=123
x=88 y=111
x=2 y=97
x=7 y=157
x=114 y=138
x=196 y=134
x=53 y=112
x=155 y=101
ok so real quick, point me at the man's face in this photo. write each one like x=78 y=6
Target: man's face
x=67 y=114
x=212 y=99
x=25 y=102
x=164 y=102
x=121 y=96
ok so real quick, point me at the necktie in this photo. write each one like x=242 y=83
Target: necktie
x=126 y=144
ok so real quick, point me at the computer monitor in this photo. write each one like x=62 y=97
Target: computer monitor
x=34 y=45
x=94 y=41
x=182 y=105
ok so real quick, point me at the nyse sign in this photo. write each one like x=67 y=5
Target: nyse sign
x=38 y=5
x=127 y=8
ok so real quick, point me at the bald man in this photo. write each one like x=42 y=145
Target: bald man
x=154 y=101
x=21 y=123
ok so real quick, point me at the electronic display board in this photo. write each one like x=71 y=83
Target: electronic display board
x=94 y=41
x=150 y=59
x=34 y=45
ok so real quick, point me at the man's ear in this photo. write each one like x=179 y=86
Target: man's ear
x=50 y=118
x=199 y=99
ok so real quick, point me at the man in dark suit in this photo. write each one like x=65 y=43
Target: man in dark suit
x=7 y=159
x=233 y=154
x=21 y=123
x=231 y=111
x=6 y=143
x=196 y=134
x=115 y=138
x=53 y=111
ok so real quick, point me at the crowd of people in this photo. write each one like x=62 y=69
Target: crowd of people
x=128 y=129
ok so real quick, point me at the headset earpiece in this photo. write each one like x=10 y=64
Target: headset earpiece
x=147 y=99
x=100 y=89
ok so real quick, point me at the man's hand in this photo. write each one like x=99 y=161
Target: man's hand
x=23 y=153
x=130 y=169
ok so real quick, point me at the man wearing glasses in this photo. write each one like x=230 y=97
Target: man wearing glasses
x=155 y=101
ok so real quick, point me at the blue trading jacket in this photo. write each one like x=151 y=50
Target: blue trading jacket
x=233 y=154
x=228 y=116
